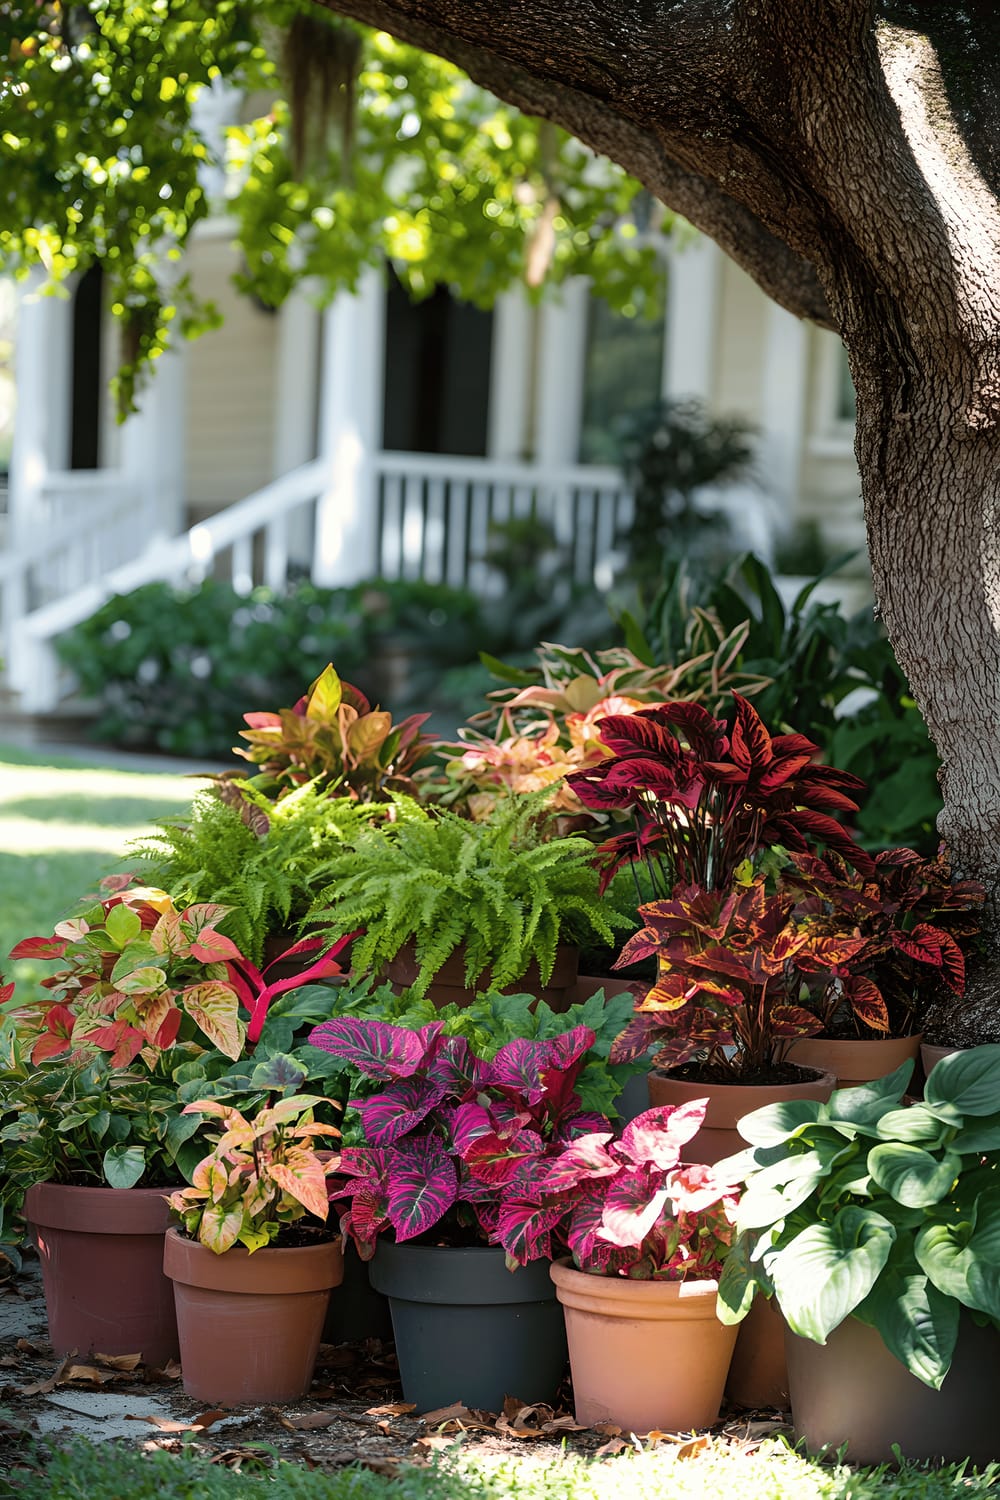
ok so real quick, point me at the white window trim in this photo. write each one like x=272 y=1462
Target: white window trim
x=830 y=436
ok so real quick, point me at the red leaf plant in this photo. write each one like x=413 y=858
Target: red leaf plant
x=911 y=919
x=728 y=991
x=450 y=1132
x=706 y=794
x=625 y=1207
x=139 y=976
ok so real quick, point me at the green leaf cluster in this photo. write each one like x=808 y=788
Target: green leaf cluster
x=262 y=867
x=864 y=1207
x=497 y=889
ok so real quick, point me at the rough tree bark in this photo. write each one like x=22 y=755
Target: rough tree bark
x=847 y=154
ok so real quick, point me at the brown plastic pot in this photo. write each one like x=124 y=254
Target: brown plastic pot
x=250 y=1324
x=728 y=1103
x=448 y=987
x=101 y=1253
x=852 y=1390
x=644 y=1354
x=854 y=1061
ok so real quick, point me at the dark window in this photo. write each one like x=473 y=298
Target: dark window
x=437 y=374
x=88 y=303
x=623 y=370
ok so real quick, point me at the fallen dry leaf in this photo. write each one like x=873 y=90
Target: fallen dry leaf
x=432 y=1442
x=44 y=1387
x=117 y=1361
x=518 y=1420
x=612 y=1447
x=456 y=1412
x=691 y=1448
x=93 y=1375
x=392 y=1409
x=9 y=1362
x=27 y=1346
x=197 y=1424
x=309 y=1421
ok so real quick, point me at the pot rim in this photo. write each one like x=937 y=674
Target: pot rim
x=272 y=1270
x=467 y=1275
x=620 y=1296
x=98 y=1210
x=820 y=1078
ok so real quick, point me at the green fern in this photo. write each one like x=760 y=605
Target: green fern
x=256 y=856
x=497 y=887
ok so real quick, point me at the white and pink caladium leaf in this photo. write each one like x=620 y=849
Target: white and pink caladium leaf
x=390 y=1116
x=377 y=1049
x=658 y=1135
x=632 y=1205
x=586 y=1159
x=423 y=1185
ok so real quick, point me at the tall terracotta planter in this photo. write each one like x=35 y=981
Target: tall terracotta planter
x=644 y=1354
x=101 y=1253
x=727 y=1104
x=250 y=1324
x=852 y=1390
x=854 y=1061
x=448 y=987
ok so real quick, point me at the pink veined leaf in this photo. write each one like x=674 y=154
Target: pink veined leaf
x=377 y=1049
x=658 y=1135
x=470 y=1122
x=423 y=1185
x=455 y=1067
x=496 y=1159
x=525 y=1229
x=389 y=1116
x=585 y=1159
x=632 y=1205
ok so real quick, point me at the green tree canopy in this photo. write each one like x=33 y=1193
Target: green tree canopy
x=349 y=147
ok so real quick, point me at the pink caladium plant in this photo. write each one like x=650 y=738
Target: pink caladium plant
x=625 y=1206
x=449 y=1134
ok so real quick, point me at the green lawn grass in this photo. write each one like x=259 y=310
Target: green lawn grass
x=111 y=1471
x=64 y=824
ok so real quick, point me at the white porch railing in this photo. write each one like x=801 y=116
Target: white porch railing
x=428 y=517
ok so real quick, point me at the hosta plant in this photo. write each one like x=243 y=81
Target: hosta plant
x=864 y=1207
x=448 y=1132
x=626 y=1206
x=262 y=1177
x=333 y=735
x=500 y=889
x=139 y=976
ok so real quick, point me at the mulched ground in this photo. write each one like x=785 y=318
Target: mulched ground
x=354 y=1411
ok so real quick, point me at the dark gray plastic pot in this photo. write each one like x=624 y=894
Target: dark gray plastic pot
x=469 y=1330
x=357 y=1311
x=852 y=1390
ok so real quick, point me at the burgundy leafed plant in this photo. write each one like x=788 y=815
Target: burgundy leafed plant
x=450 y=1132
x=626 y=1207
x=707 y=794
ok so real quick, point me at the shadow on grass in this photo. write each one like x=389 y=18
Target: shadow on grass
x=36 y=890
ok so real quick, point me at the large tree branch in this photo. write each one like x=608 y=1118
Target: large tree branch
x=789 y=278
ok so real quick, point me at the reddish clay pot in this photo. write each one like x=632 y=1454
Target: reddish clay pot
x=727 y=1104
x=250 y=1325
x=854 y=1061
x=101 y=1251
x=758 y=1375
x=448 y=987
x=644 y=1354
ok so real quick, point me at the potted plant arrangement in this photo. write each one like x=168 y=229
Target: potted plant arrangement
x=497 y=899
x=428 y=1196
x=87 y=1151
x=647 y=1238
x=252 y=1264
x=873 y=1227
x=916 y=920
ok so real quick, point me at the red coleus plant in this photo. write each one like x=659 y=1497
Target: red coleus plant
x=707 y=794
x=139 y=975
x=448 y=1134
x=728 y=987
x=910 y=918
x=627 y=1207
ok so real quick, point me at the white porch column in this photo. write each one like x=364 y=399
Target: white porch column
x=561 y=375
x=43 y=364
x=350 y=432
x=692 y=319
x=512 y=377
x=783 y=409
x=153 y=445
x=299 y=327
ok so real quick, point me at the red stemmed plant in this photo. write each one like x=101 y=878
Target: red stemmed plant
x=627 y=1206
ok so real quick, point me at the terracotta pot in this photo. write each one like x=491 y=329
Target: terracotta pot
x=852 y=1390
x=469 y=1330
x=931 y=1054
x=250 y=1325
x=727 y=1104
x=854 y=1061
x=758 y=1375
x=644 y=1354
x=448 y=987
x=101 y=1252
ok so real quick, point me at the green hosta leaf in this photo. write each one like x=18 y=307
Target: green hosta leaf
x=775 y=1191
x=122 y=925
x=983 y=1135
x=967 y=1081
x=214 y=1007
x=911 y=1175
x=915 y=1124
x=737 y=1284
x=778 y=1122
x=962 y=1258
x=123 y=1165
x=866 y=1104
x=917 y=1323
x=822 y=1274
